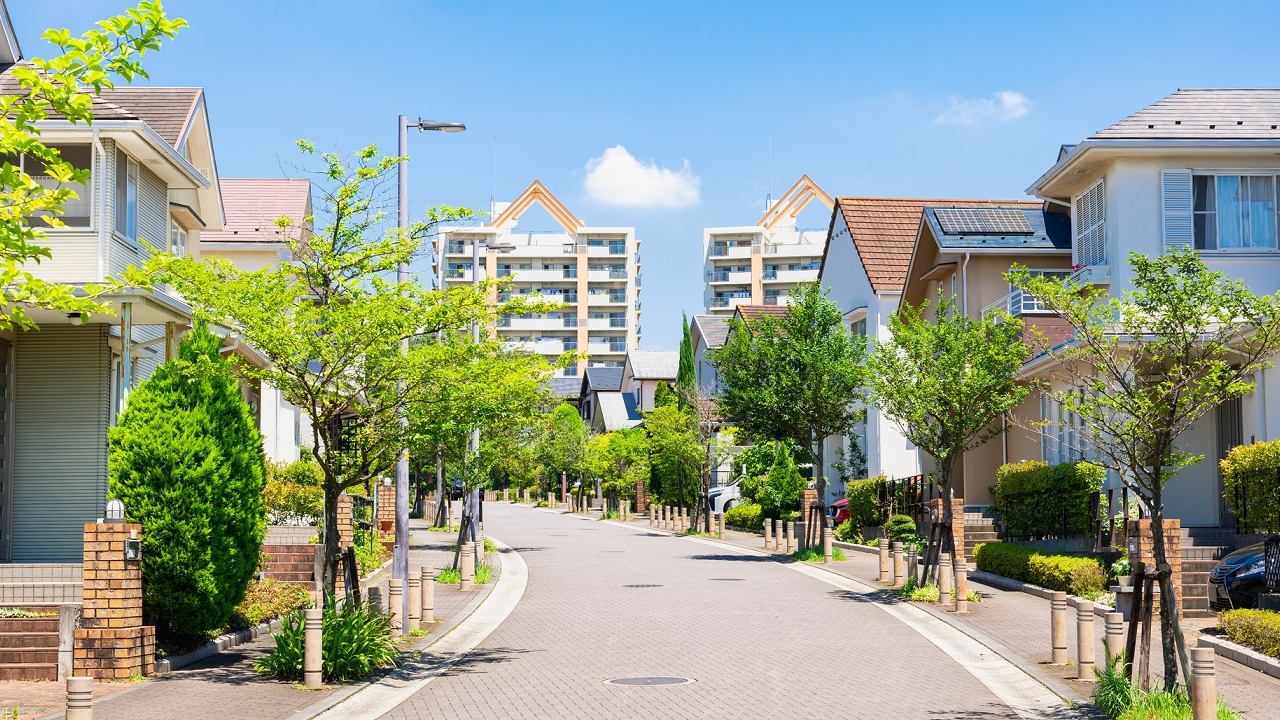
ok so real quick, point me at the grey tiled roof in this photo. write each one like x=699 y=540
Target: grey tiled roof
x=654 y=364
x=565 y=387
x=603 y=378
x=618 y=410
x=713 y=328
x=1204 y=114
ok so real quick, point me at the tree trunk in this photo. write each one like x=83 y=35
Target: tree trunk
x=1172 y=644
x=330 y=537
x=821 y=485
x=441 y=511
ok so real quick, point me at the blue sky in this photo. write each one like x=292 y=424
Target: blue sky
x=897 y=99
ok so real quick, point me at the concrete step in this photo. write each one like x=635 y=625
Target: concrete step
x=289 y=549
x=33 y=641
x=29 y=656
x=274 y=567
x=1203 y=552
x=29 y=671
x=1196 y=591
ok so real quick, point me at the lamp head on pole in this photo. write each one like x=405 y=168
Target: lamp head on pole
x=115 y=510
x=449 y=127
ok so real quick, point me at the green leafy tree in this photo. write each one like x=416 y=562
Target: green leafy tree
x=795 y=376
x=61 y=87
x=675 y=454
x=621 y=460
x=1147 y=364
x=663 y=395
x=186 y=459
x=780 y=493
x=946 y=380
x=563 y=447
x=686 y=375
x=332 y=322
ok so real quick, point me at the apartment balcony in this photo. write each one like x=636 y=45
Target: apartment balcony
x=790 y=276
x=459 y=248
x=806 y=250
x=570 y=322
x=536 y=324
x=777 y=299
x=456 y=276
x=607 y=348
x=721 y=277
x=607 y=299
x=538 y=275
x=734 y=251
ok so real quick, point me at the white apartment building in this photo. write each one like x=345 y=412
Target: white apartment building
x=761 y=264
x=595 y=271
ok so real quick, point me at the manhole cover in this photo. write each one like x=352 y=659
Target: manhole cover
x=728 y=579
x=650 y=681
x=640 y=586
x=613 y=551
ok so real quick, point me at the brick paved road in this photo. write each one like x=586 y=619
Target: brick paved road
x=607 y=602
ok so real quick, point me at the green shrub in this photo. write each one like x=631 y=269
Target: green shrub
x=1257 y=629
x=782 y=486
x=449 y=576
x=1035 y=499
x=814 y=554
x=370 y=555
x=13 y=612
x=866 y=508
x=846 y=532
x=900 y=528
x=1251 y=484
x=293 y=495
x=186 y=459
x=484 y=574
x=747 y=517
x=357 y=641
x=1081 y=576
x=266 y=600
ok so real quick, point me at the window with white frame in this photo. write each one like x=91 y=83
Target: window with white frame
x=177 y=239
x=1060 y=440
x=126 y=195
x=1024 y=303
x=1090 y=226
x=858 y=328
x=1233 y=212
x=77 y=211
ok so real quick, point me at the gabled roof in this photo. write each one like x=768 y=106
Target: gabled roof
x=883 y=231
x=1014 y=226
x=793 y=201
x=537 y=192
x=618 y=411
x=167 y=110
x=602 y=379
x=654 y=364
x=1203 y=114
x=755 y=312
x=102 y=108
x=712 y=328
x=252 y=205
x=10 y=51
x=565 y=388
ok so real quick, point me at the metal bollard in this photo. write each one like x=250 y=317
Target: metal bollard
x=899 y=574
x=312 y=657
x=826 y=546
x=395 y=595
x=1058 y=627
x=428 y=583
x=1084 y=641
x=791 y=537
x=720 y=525
x=883 y=546
x=778 y=530
x=944 y=578
x=768 y=533
x=1114 y=638
x=962 y=586
x=80 y=698
x=375 y=598
x=466 y=568
x=1204 y=691
x=415 y=601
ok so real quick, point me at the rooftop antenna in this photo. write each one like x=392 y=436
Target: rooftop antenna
x=768 y=199
x=494 y=199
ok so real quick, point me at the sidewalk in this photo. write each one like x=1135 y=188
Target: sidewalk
x=1016 y=626
x=225 y=686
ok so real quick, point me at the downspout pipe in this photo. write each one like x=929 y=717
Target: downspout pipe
x=102 y=206
x=964 y=278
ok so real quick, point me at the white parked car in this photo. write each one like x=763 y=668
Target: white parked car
x=723 y=498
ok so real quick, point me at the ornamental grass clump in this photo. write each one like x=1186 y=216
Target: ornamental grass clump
x=266 y=600
x=1120 y=699
x=357 y=640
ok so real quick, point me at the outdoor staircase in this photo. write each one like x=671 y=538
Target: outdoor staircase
x=29 y=647
x=292 y=564
x=1202 y=548
x=979 y=528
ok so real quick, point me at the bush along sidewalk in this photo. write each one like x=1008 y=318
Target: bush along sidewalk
x=1082 y=576
x=357 y=639
x=1255 y=629
x=1120 y=699
x=928 y=593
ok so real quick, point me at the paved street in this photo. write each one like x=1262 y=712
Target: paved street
x=605 y=602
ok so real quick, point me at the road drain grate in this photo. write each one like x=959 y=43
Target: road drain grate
x=650 y=681
x=729 y=579
x=640 y=586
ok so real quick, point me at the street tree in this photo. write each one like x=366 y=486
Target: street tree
x=562 y=449
x=61 y=87
x=946 y=379
x=794 y=376
x=1145 y=366
x=675 y=455
x=332 y=322
x=621 y=460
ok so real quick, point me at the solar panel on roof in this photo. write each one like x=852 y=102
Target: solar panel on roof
x=983 y=221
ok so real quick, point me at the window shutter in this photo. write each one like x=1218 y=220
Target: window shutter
x=1090 y=230
x=1175 y=200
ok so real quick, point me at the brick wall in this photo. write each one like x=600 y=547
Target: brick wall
x=112 y=643
x=386 y=504
x=345 y=535
x=1141 y=551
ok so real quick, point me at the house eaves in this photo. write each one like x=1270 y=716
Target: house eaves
x=138 y=137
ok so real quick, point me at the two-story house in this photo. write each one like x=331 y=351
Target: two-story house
x=1198 y=168
x=153 y=180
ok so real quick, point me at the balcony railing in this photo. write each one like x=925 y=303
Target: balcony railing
x=771 y=274
x=719 y=250
x=570 y=345
x=571 y=322
x=617 y=273
x=617 y=298
x=617 y=249
x=718 y=275
x=617 y=322
x=569 y=298
x=719 y=302
x=504 y=321
x=571 y=272
x=617 y=347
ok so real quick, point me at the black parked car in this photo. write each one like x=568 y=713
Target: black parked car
x=1237 y=579
x=457 y=489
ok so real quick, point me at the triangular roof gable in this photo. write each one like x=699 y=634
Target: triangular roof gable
x=793 y=201
x=537 y=192
x=10 y=52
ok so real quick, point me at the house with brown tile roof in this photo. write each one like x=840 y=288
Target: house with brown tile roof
x=250 y=237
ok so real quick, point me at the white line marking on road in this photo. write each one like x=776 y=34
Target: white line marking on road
x=1022 y=693
x=390 y=692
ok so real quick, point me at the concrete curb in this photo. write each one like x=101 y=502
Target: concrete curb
x=1249 y=658
x=219 y=644
x=1004 y=583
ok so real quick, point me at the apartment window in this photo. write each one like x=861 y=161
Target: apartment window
x=1028 y=303
x=617 y=247
x=858 y=328
x=595 y=243
x=177 y=239
x=77 y=211
x=1234 y=212
x=1090 y=226
x=126 y=195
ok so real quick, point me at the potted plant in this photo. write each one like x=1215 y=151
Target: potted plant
x=1122 y=572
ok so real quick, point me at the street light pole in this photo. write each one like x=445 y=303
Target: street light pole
x=400 y=555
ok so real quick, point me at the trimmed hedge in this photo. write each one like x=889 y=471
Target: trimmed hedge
x=865 y=507
x=749 y=517
x=900 y=528
x=1035 y=500
x=1251 y=484
x=1083 y=576
x=1256 y=629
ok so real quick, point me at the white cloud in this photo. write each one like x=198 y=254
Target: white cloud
x=1004 y=106
x=617 y=178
